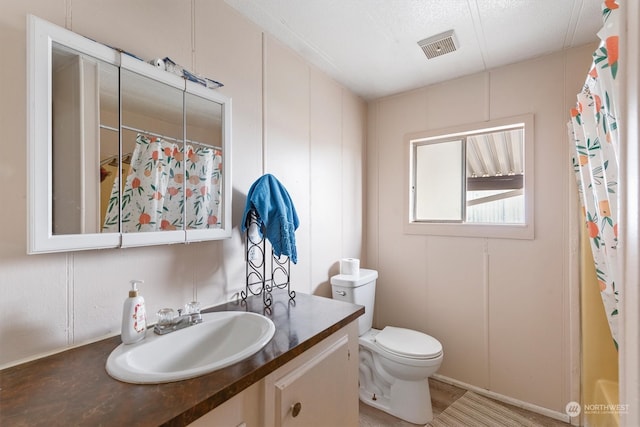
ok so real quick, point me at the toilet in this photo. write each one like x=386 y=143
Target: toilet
x=395 y=363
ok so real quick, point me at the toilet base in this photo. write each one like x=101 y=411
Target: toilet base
x=408 y=400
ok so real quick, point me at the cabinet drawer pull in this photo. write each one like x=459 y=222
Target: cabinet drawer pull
x=295 y=409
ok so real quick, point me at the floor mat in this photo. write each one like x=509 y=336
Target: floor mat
x=473 y=410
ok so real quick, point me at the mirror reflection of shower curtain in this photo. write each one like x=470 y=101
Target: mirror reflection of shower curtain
x=595 y=140
x=157 y=189
x=203 y=177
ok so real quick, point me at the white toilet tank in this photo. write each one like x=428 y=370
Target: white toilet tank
x=357 y=289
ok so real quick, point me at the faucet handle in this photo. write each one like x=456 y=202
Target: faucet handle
x=192 y=307
x=166 y=316
x=192 y=310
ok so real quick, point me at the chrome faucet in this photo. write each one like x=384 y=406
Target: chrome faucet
x=168 y=321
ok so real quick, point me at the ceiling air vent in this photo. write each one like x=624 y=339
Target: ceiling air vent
x=439 y=44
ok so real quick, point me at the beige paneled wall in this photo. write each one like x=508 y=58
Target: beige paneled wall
x=287 y=136
x=325 y=179
x=352 y=167
x=500 y=307
x=312 y=140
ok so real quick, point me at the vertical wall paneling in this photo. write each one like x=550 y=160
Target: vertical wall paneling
x=52 y=301
x=402 y=263
x=486 y=279
x=288 y=146
x=326 y=179
x=372 y=187
x=229 y=49
x=41 y=282
x=263 y=102
x=576 y=59
x=457 y=302
x=499 y=306
x=372 y=190
x=70 y=326
x=524 y=283
x=352 y=189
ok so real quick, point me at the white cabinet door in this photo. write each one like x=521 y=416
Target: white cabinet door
x=323 y=390
x=319 y=388
x=242 y=410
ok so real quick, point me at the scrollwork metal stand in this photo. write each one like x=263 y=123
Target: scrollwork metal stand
x=257 y=281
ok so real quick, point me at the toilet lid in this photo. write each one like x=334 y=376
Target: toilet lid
x=408 y=343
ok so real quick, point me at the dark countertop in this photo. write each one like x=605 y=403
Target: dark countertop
x=72 y=388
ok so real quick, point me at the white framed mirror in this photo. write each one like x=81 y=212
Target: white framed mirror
x=120 y=153
x=208 y=213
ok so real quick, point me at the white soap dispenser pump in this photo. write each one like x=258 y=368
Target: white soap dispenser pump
x=134 y=317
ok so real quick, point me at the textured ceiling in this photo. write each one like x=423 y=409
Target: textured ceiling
x=371 y=47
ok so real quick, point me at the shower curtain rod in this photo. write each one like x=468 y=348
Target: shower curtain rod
x=146 y=132
x=126 y=159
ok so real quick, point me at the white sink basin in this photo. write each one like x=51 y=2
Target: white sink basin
x=222 y=339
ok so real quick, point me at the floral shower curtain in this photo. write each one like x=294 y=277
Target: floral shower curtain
x=595 y=147
x=203 y=176
x=162 y=183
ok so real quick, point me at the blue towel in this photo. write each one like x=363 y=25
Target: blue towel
x=277 y=217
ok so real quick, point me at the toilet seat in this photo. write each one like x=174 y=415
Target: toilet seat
x=408 y=343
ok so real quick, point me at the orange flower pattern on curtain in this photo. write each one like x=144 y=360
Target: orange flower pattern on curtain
x=164 y=186
x=595 y=143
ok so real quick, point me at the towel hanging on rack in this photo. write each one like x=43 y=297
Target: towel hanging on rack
x=277 y=217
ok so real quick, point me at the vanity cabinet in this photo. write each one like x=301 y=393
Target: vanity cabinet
x=242 y=410
x=317 y=388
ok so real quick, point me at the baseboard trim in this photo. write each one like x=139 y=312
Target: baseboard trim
x=505 y=399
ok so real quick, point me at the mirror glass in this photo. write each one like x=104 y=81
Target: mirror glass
x=84 y=94
x=203 y=163
x=152 y=158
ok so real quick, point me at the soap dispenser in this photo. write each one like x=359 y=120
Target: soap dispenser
x=134 y=318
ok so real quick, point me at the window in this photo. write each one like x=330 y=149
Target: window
x=474 y=180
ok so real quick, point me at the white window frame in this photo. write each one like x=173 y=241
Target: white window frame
x=464 y=229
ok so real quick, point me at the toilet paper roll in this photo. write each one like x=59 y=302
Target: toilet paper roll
x=350 y=266
x=158 y=63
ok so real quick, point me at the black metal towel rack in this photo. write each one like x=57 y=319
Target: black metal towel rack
x=256 y=267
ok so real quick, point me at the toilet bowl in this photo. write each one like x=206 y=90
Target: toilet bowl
x=395 y=363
